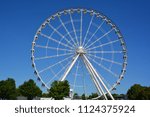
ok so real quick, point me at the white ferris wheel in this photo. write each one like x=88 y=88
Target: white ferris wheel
x=82 y=46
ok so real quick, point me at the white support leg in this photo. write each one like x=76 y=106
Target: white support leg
x=70 y=67
x=98 y=77
x=93 y=77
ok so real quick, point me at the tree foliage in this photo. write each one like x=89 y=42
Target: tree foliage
x=76 y=96
x=59 y=90
x=138 y=92
x=45 y=95
x=93 y=95
x=8 y=89
x=144 y=94
x=115 y=96
x=83 y=97
x=29 y=89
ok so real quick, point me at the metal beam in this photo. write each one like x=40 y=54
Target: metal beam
x=95 y=72
x=70 y=67
x=93 y=77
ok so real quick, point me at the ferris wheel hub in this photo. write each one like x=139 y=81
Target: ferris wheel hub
x=80 y=50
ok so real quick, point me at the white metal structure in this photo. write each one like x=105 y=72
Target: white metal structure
x=82 y=46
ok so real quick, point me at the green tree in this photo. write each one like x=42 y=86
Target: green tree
x=29 y=89
x=8 y=89
x=59 y=90
x=144 y=94
x=45 y=95
x=119 y=96
x=123 y=96
x=138 y=92
x=76 y=96
x=115 y=96
x=133 y=92
x=93 y=95
x=83 y=97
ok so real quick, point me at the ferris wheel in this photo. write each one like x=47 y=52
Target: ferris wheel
x=82 y=46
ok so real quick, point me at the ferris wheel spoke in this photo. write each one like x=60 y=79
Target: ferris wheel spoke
x=61 y=25
x=106 y=52
x=107 y=60
x=59 y=62
x=66 y=30
x=54 y=56
x=52 y=39
x=103 y=67
x=111 y=42
x=56 y=75
x=63 y=37
x=106 y=82
x=94 y=33
x=52 y=71
x=73 y=28
x=84 y=40
x=53 y=48
x=100 y=38
x=81 y=28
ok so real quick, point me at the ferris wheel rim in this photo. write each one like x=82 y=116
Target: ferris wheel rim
x=114 y=27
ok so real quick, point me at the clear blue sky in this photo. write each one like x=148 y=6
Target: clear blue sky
x=20 y=19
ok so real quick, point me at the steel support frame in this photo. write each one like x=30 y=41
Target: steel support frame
x=69 y=68
x=100 y=79
x=96 y=82
x=93 y=73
